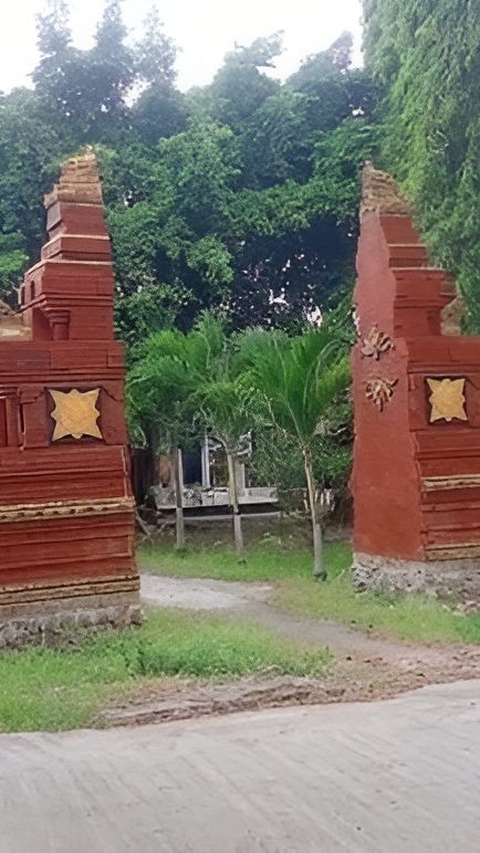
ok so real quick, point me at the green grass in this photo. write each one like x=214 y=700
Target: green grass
x=267 y=561
x=46 y=689
x=410 y=618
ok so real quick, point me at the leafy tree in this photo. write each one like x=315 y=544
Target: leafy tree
x=151 y=309
x=29 y=152
x=112 y=73
x=240 y=87
x=173 y=233
x=276 y=140
x=84 y=91
x=273 y=255
x=156 y=53
x=159 y=111
x=226 y=409
x=56 y=53
x=240 y=197
x=427 y=58
x=298 y=240
x=335 y=90
x=13 y=260
x=277 y=461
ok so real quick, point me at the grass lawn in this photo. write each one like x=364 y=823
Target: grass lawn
x=46 y=689
x=413 y=618
x=268 y=561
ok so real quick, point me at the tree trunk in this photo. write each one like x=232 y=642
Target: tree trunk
x=319 y=570
x=143 y=527
x=178 y=478
x=237 y=518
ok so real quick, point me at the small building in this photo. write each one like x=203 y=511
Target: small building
x=205 y=483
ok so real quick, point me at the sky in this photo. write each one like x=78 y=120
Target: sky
x=204 y=30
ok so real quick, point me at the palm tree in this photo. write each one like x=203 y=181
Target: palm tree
x=161 y=392
x=224 y=405
x=300 y=379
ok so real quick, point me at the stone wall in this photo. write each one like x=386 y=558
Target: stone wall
x=62 y=621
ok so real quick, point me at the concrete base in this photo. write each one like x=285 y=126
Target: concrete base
x=65 y=620
x=458 y=579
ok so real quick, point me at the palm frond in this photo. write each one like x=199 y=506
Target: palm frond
x=302 y=379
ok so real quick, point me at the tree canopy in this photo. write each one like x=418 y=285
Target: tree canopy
x=427 y=57
x=240 y=196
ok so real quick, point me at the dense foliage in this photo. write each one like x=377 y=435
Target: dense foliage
x=239 y=196
x=286 y=387
x=427 y=56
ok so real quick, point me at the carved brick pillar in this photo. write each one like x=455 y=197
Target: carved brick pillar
x=33 y=416
x=416 y=473
x=11 y=408
x=67 y=512
x=59 y=323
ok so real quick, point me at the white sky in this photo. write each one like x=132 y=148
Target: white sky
x=204 y=29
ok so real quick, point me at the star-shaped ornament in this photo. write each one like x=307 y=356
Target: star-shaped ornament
x=75 y=413
x=447 y=399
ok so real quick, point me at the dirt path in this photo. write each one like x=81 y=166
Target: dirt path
x=201 y=594
x=365 y=667
x=253 y=602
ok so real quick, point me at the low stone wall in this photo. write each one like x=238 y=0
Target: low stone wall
x=58 y=622
x=457 y=579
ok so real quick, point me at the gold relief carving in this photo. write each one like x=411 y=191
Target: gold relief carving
x=65 y=509
x=75 y=413
x=44 y=591
x=379 y=391
x=447 y=399
x=454 y=481
x=376 y=343
x=459 y=551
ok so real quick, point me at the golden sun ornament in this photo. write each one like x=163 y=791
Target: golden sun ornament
x=75 y=414
x=447 y=399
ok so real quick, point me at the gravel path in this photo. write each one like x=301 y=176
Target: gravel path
x=398 y=776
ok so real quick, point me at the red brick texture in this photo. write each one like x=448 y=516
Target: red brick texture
x=66 y=509
x=416 y=483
